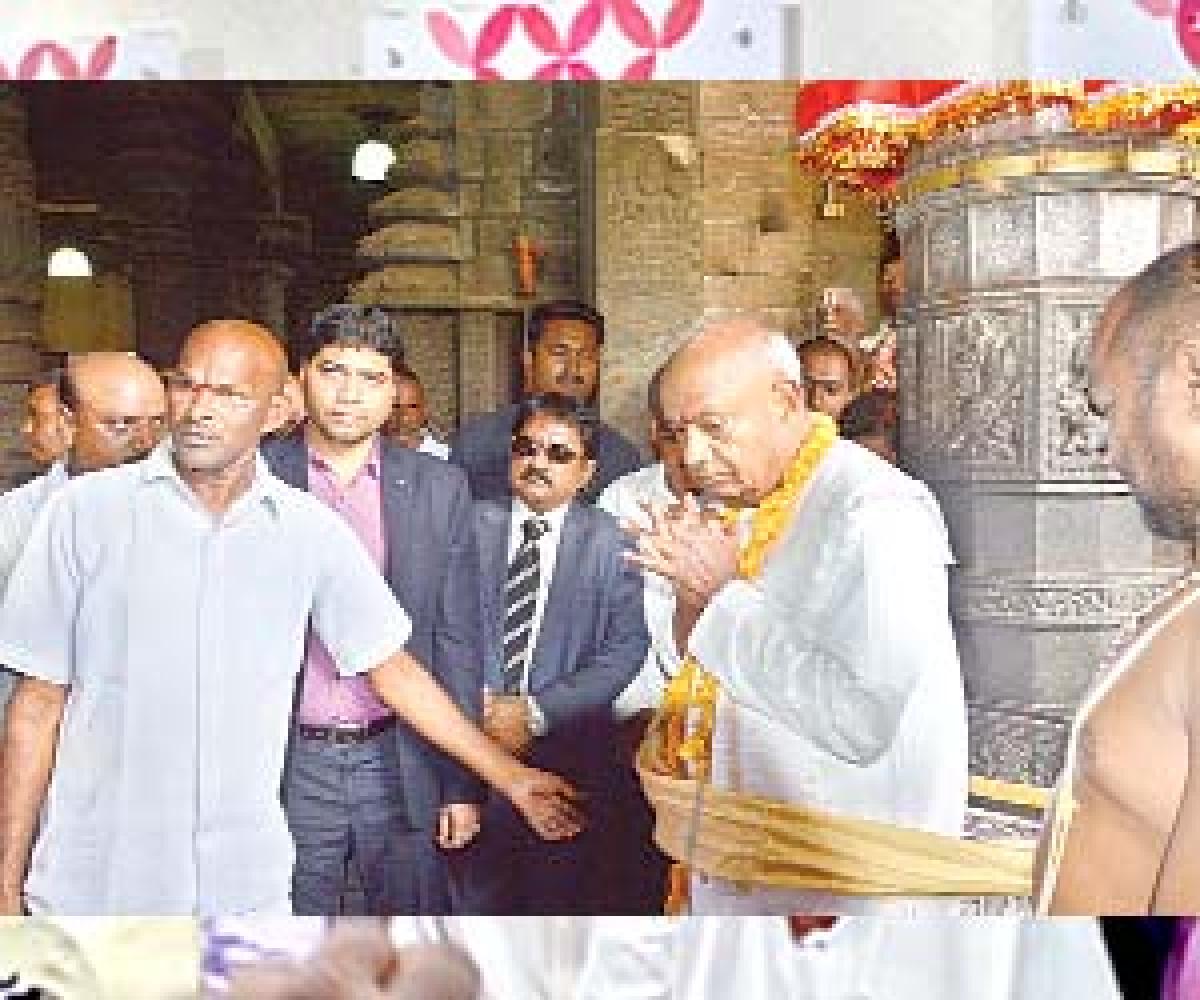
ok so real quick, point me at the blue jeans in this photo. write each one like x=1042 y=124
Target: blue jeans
x=356 y=848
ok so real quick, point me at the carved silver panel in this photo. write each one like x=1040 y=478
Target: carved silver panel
x=1074 y=436
x=1101 y=233
x=1060 y=601
x=1002 y=240
x=978 y=390
x=947 y=252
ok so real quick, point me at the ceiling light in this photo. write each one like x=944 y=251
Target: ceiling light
x=67 y=262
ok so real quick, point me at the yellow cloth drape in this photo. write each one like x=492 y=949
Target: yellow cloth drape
x=767 y=843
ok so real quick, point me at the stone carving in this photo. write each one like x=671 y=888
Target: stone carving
x=1076 y=437
x=645 y=190
x=978 y=392
x=401 y=286
x=411 y=240
x=654 y=108
x=1002 y=240
x=1074 y=600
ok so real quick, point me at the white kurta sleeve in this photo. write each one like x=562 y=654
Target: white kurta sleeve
x=844 y=690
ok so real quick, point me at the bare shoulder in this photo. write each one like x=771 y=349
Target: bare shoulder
x=1136 y=720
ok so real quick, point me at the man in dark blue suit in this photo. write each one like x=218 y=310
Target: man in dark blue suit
x=562 y=356
x=564 y=633
x=360 y=787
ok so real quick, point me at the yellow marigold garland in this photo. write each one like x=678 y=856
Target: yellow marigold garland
x=690 y=701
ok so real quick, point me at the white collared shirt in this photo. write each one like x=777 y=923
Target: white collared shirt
x=548 y=551
x=19 y=508
x=432 y=446
x=624 y=499
x=179 y=636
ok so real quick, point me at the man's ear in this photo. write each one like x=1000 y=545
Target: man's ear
x=591 y=471
x=279 y=411
x=789 y=397
x=1187 y=367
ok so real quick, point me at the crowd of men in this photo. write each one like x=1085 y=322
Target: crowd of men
x=433 y=705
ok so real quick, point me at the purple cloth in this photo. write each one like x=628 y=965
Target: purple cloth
x=327 y=697
x=1181 y=980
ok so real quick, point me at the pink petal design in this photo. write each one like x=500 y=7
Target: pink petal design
x=449 y=38
x=541 y=30
x=101 y=61
x=1187 y=27
x=487 y=73
x=1157 y=8
x=551 y=71
x=64 y=64
x=585 y=25
x=4 y=75
x=577 y=70
x=641 y=68
x=495 y=33
x=681 y=19
x=634 y=23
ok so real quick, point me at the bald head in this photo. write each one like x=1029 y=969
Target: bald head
x=733 y=396
x=261 y=349
x=116 y=408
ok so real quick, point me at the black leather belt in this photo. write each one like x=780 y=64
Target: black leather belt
x=345 y=732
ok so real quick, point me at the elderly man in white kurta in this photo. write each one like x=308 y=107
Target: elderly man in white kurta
x=820 y=605
x=759 y=958
x=159 y=614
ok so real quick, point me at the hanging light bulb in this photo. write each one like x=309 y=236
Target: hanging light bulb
x=373 y=157
x=67 y=262
x=372 y=160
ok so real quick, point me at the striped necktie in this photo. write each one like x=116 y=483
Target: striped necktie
x=520 y=602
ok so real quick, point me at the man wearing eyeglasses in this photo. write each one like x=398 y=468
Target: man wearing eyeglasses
x=110 y=410
x=564 y=633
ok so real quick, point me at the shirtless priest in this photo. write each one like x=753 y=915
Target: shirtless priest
x=1123 y=832
x=818 y=602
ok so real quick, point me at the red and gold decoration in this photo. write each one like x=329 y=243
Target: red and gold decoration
x=860 y=132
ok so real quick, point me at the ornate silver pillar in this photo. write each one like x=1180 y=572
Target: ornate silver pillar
x=1014 y=237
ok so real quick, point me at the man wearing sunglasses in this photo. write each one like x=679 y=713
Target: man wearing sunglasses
x=564 y=633
x=562 y=356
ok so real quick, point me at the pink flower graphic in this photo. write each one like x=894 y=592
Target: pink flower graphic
x=62 y=63
x=1187 y=28
x=635 y=24
x=564 y=62
x=493 y=37
x=1157 y=8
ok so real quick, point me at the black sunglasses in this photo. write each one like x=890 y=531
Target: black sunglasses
x=559 y=454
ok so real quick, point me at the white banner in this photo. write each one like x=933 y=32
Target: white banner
x=577 y=39
x=1136 y=40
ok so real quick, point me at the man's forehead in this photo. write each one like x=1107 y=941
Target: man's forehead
x=549 y=427
x=356 y=357
x=564 y=331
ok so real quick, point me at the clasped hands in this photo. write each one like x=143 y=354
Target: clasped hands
x=690 y=547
